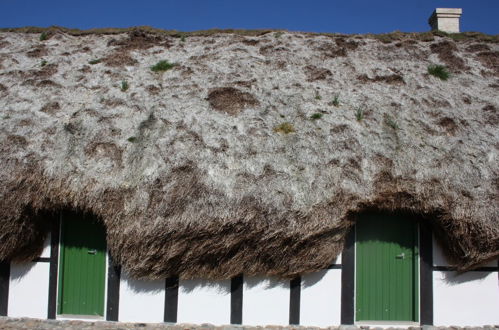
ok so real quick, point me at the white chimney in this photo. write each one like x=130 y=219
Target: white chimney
x=446 y=19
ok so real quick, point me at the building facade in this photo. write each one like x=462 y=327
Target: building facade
x=391 y=272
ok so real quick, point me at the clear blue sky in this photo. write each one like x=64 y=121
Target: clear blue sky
x=345 y=16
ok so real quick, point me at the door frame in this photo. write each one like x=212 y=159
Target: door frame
x=416 y=276
x=59 y=263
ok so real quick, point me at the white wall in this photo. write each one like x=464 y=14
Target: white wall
x=321 y=298
x=29 y=287
x=141 y=301
x=265 y=301
x=204 y=302
x=29 y=290
x=469 y=299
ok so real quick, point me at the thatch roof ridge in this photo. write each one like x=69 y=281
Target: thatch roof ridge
x=238 y=159
x=384 y=37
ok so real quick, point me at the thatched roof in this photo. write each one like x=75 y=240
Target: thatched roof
x=237 y=159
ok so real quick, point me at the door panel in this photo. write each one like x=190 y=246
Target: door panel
x=386 y=268
x=82 y=266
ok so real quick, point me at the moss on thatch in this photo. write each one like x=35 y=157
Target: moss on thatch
x=187 y=172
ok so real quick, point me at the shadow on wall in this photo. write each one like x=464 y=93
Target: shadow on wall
x=220 y=287
x=187 y=286
x=265 y=282
x=143 y=286
x=18 y=272
x=313 y=278
x=455 y=278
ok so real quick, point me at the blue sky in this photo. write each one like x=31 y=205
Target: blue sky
x=345 y=16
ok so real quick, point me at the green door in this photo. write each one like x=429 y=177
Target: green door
x=82 y=266
x=386 y=270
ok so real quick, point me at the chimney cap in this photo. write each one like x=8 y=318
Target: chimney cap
x=457 y=11
x=446 y=19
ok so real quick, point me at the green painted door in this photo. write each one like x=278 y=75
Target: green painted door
x=82 y=266
x=386 y=270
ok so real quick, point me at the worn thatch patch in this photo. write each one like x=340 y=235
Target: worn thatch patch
x=347 y=44
x=44 y=83
x=230 y=100
x=39 y=51
x=272 y=50
x=250 y=42
x=315 y=73
x=330 y=50
x=138 y=39
x=16 y=141
x=153 y=90
x=393 y=79
x=119 y=59
x=490 y=59
x=245 y=83
x=4 y=44
x=46 y=72
x=51 y=108
x=475 y=48
x=448 y=124
x=112 y=102
x=98 y=150
x=491 y=114
x=183 y=190
x=446 y=51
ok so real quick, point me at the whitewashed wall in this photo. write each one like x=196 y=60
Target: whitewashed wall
x=29 y=287
x=468 y=299
x=265 y=301
x=141 y=301
x=204 y=302
x=321 y=298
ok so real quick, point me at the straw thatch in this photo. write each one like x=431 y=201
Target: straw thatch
x=237 y=160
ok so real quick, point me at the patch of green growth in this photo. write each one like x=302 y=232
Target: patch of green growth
x=96 y=61
x=439 y=71
x=424 y=36
x=43 y=63
x=44 y=36
x=278 y=34
x=391 y=123
x=124 y=86
x=387 y=38
x=182 y=38
x=359 y=113
x=318 y=96
x=282 y=116
x=316 y=116
x=455 y=36
x=162 y=66
x=335 y=101
x=285 y=128
x=132 y=139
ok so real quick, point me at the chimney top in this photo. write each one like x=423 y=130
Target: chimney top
x=445 y=19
